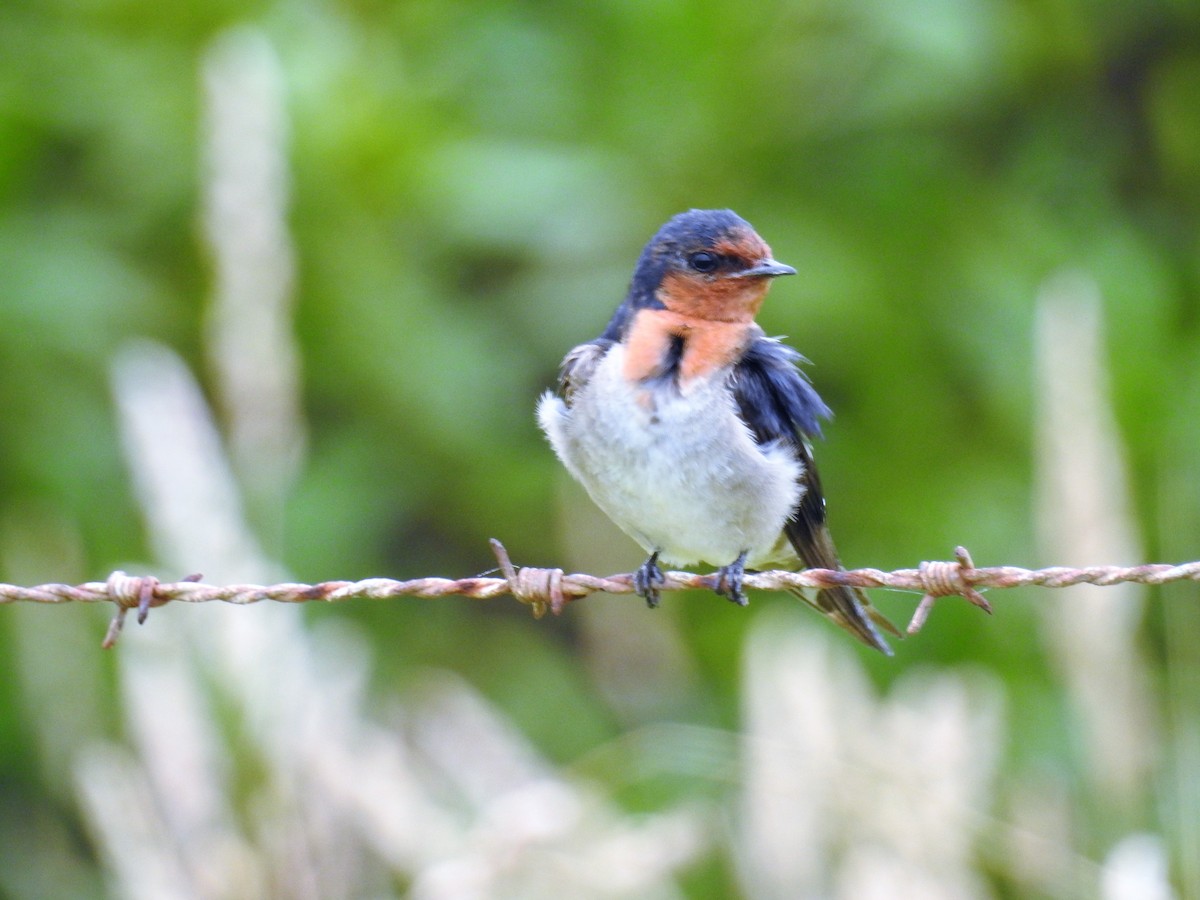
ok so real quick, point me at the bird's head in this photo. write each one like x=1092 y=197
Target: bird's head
x=706 y=264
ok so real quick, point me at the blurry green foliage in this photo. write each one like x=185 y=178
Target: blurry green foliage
x=471 y=183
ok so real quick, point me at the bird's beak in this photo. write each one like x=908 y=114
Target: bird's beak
x=765 y=268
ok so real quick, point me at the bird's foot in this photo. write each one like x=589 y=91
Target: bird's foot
x=729 y=581
x=648 y=579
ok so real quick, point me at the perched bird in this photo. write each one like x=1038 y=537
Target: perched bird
x=689 y=427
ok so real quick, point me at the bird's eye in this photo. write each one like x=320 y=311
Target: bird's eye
x=703 y=261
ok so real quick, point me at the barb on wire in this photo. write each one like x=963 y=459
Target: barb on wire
x=551 y=589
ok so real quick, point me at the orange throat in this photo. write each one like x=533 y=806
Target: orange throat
x=708 y=345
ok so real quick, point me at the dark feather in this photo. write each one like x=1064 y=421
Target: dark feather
x=578 y=365
x=667 y=372
x=615 y=330
x=774 y=396
x=777 y=402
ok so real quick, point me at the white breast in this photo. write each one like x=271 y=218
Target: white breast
x=677 y=470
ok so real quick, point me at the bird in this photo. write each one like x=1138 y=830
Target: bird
x=691 y=428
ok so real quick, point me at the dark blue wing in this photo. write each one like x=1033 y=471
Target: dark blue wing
x=778 y=403
x=776 y=400
x=774 y=396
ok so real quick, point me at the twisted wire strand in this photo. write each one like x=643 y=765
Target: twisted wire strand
x=550 y=589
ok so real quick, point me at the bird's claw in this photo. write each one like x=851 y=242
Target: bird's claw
x=729 y=581
x=648 y=579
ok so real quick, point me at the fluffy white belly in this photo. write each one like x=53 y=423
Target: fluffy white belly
x=677 y=471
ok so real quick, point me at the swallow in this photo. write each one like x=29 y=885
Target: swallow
x=691 y=428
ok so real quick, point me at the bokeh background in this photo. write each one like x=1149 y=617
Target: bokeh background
x=280 y=283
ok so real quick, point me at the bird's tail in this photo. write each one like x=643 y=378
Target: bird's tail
x=851 y=610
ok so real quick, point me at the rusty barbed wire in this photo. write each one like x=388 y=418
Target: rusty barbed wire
x=550 y=590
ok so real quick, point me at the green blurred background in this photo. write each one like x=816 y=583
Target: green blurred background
x=370 y=230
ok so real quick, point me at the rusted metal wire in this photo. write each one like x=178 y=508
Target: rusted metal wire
x=551 y=589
